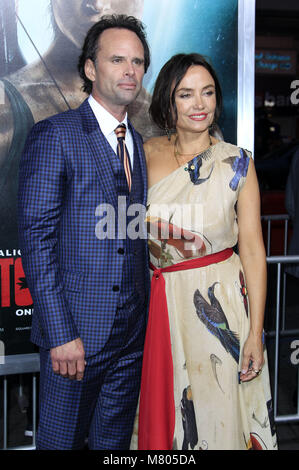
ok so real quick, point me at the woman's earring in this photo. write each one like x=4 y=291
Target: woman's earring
x=168 y=133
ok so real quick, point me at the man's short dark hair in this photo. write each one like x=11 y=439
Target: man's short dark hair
x=163 y=109
x=91 y=42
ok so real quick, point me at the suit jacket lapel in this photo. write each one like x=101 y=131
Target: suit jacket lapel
x=101 y=152
x=139 y=153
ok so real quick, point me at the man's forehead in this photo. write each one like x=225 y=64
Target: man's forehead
x=115 y=40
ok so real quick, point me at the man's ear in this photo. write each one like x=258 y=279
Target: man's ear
x=90 y=70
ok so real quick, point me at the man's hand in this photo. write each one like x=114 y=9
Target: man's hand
x=68 y=359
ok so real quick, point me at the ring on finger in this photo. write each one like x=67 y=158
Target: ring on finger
x=257 y=372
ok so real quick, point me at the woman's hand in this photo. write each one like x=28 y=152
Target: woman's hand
x=253 y=358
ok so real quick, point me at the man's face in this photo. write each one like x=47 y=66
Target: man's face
x=75 y=17
x=118 y=70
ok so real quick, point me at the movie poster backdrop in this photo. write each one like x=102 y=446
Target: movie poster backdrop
x=40 y=43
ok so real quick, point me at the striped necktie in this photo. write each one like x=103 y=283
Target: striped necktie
x=122 y=152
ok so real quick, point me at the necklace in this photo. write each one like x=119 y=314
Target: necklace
x=176 y=152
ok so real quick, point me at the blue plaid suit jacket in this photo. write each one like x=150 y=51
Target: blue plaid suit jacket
x=65 y=173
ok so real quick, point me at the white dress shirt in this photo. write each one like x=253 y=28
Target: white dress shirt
x=108 y=124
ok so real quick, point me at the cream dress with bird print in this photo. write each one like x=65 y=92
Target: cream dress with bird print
x=192 y=213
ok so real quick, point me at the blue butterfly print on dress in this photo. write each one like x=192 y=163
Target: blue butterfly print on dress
x=239 y=166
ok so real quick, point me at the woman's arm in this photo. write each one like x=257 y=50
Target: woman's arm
x=253 y=258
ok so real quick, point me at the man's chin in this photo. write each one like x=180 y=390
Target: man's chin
x=128 y=97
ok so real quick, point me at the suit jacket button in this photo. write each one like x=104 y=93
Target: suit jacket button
x=120 y=251
x=115 y=288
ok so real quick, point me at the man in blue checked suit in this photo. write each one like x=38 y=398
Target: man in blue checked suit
x=88 y=280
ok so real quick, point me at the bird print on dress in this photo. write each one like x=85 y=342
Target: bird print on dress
x=239 y=166
x=194 y=170
x=187 y=243
x=243 y=291
x=188 y=420
x=214 y=361
x=256 y=442
x=271 y=416
x=213 y=317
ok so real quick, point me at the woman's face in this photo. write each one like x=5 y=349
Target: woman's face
x=75 y=17
x=195 y=99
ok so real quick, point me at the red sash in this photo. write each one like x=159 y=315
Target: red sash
x=156 y=407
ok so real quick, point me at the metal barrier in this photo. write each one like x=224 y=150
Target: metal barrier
x=280 y=323
x=29 y=363
x=277 y=217
x=19 y=365
x=279 y=260
x=269 y=219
